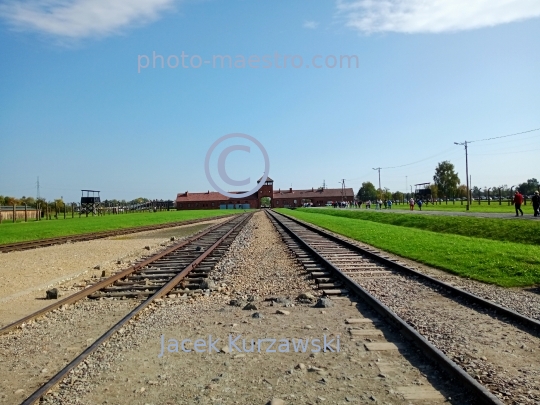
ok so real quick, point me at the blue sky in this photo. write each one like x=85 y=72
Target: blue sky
x=75 y=111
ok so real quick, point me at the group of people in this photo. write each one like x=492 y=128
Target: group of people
x=518 y=200
x=378 y=204
x=419 y=202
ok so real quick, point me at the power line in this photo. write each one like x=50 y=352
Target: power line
x=505 y=136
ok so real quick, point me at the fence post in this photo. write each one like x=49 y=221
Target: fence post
x=0 y=214
x=14 y=218
x=25 y=213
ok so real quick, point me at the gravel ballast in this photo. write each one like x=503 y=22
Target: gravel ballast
x=260 y=274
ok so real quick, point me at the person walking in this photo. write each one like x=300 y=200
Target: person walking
x=420 y=202
x=518 y=200
x=389 y=204
x=411 y=204
x=536 y=203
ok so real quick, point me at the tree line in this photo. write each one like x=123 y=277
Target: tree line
x=59 y=202
x=447 y=184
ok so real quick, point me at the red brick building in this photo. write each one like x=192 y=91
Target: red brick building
x=279 y=199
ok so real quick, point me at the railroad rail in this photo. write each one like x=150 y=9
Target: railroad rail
x=33 y=244
x=340 y=267
x=189 y=260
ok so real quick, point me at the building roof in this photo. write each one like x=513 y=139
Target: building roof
x=329 y=193
x=208 y=196
x=314 y=193
x=267 y=179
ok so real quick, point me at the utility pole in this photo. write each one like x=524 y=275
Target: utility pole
x=466 y=172
x=37 y=197
x=406 y=182
x=379 y=170
x=342 y=189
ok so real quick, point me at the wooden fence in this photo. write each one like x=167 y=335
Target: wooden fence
x=18 y=213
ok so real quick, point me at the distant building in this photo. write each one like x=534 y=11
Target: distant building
x=279 y=199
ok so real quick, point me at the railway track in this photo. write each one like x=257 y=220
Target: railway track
x=33 y=244
x=182 y=267
x=489 y=349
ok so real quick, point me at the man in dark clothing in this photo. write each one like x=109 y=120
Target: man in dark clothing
x=518 y=200
x=536 y=204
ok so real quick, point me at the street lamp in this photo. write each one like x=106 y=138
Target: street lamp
x=466 y=170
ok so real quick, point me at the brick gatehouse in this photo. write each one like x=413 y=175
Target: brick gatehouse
x=318 y=197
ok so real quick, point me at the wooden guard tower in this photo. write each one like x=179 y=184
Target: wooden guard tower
x=422 y=191
x=90 y=203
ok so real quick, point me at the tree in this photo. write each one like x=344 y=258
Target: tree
x=265 y=201
x=434 y=190
x=462 y=191
x=367 y=192
x=397 y=196
x=446 y=179
x=529 y=187
x=28 y=201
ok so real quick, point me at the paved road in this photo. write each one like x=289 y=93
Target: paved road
x=527 y=214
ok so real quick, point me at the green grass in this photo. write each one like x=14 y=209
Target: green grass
x=494 y=207
x=503 y=263
x=23 y=231
x=526 y=232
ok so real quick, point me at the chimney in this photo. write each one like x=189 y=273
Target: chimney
x=208 y=192
x=312 y=189
x=290 y=189
x=186 y=193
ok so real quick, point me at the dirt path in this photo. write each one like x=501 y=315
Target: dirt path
x=26 y=275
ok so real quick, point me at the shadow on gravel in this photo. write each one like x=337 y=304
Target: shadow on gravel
x=535 y=290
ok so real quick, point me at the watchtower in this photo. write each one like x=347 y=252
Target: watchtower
x=90 y=203
x=422 y=191
x=267 y=190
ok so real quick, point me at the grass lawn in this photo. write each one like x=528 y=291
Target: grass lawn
x=527 y=232
x=23 y=231
x=494 y=207
x=503 y=263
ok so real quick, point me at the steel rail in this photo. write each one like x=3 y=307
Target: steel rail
x=524 y=320
x=110 y=280
x=33 y=244
x=161 y=292
x=481 y=393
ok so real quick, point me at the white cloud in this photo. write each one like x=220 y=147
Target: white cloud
x=413 y=16
x=310 y=24
x=76 y=19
